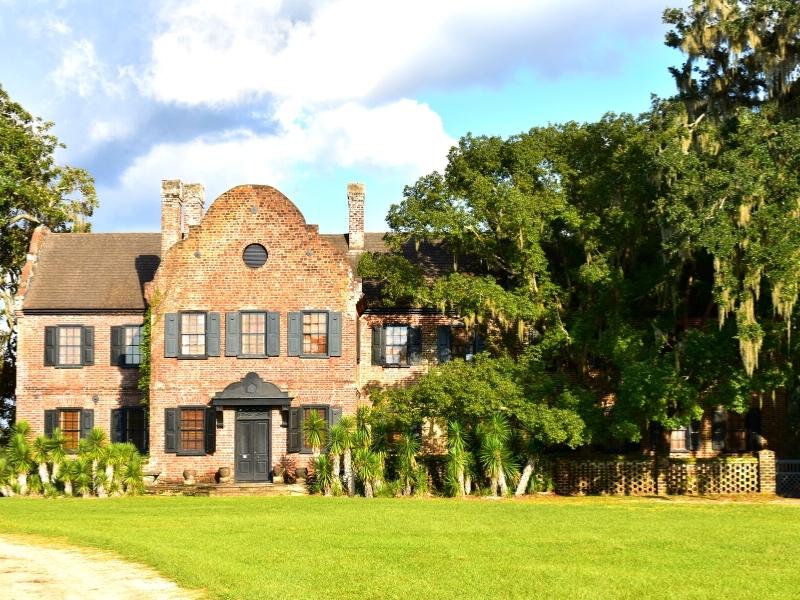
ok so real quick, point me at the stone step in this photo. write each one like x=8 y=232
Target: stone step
x=229 y=489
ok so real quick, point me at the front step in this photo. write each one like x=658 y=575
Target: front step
x=229 y=489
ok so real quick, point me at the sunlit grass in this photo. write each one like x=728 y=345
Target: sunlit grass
x=392 y=548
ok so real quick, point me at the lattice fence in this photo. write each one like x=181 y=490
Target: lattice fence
x=644 y=477
x=787 y=477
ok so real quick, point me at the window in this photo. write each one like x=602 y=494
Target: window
x=396 y=345
x=126 y=345
x=686 y=438
x=254 y=328
x=251 y=334
x=74 y=423
x=193 y=334
x=68 y=346
x=129 y=424
x=190 y=430
x=254 y=256
x=296 y=437
x=457 y=342
x=315 y=333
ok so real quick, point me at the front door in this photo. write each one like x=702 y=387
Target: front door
x=252 y=446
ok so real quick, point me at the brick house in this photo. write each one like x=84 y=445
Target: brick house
x=257 y=320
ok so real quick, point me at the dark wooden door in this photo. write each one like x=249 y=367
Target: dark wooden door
x=252 y=450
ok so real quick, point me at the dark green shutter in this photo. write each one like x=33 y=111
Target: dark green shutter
x=212 y=334
x=294 y=437
x=50 y=346
x=336 y=415
x=50 y=421
x=753 y=424
x=334 y=334
x=211 y=429
x=88 y=345
x=171 y=335
x=719 y=429
x=273 y=334
x=171 y=426
x=694 y=435
x=117 y=346
x=117 y=426
x=378 y=349
x=480 y=343
x=443 y=340
x=294 y=335
x=87 y=422
x=415 y=345
x=232 y=338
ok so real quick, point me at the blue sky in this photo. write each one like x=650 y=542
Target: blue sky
x=307 y=95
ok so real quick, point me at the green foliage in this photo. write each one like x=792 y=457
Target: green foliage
x=322 y=481
x=143 y=383
x=315 y=429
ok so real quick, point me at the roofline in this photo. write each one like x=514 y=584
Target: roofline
x=83 y=311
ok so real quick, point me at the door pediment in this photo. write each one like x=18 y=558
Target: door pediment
x=251 y=390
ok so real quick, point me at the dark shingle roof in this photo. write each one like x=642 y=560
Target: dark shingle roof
x=83 y=271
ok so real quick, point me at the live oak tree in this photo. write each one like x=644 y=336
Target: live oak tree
x=34 y=190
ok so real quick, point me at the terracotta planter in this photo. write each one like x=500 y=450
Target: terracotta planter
x=224 y=474
x=189 y=477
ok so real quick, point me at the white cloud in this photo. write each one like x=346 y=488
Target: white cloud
x=82 y=72
x=47 y=25
x=105 y=130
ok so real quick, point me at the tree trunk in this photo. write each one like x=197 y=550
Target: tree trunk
x=44 y=474
x=68 y=488
x=493 y=485
x=461 y=483
x=501 y=483
x=22 y=481
x=110 y=475
x=336 y=460
x=367 y=489
x=98 y=486
x=526 y=476
x=467 y=484
x=6 y=491
x=56 y=470
x=348 y=473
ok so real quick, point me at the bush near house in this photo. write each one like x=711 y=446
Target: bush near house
x=44 y=466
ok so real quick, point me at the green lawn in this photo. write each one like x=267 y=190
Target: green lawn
x=338 y=547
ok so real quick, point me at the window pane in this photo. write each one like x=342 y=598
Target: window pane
x=396 y=345
x=69 y=345
x=70 y=423
x=253 y=330
x=679 y=440
x=193 y=334
x=459 y=342
x=135 y=431
x=315 y=333
x=133 y=354
x=192 y=429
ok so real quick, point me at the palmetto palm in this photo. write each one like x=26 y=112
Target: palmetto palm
x=323 y=474
x=316 y=431
x=363 y=432
x=456 y=458
x=336 y=441
x=368 y=467
x=131 y=474
x=347 y=427
x=68 y=474
x=407 y=450
x=6 y=477
x=40 y=454
x=95 y=448
x=58 y=452
x=495 y=456
x=18 y=455
x=83 y=476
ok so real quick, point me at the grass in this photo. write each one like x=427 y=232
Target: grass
x=393 y=548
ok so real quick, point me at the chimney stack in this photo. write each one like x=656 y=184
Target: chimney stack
x=181 y=207
x=355 y=205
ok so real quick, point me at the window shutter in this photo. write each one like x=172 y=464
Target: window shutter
x=117 y=426
x=50 y=346
x=87 y=421
x=273 y=334
x=694 y=435
x=334 y=334
x=480 y=343
x=753 y=424
x=88 y=345
x=719 y=429
x=335 y=415
x=211 y=429
x=443 y=352
x=378 y=348
x=294 y=336
x=171 y=425
x=232 y=327
x=117 y=346
x=50 y=421
x=415 y=345
x=294 y=436
x=656 y=436
x=171 y=335
x=212 y=334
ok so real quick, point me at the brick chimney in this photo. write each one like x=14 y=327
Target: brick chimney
x=182 y=207
x=355 y=206
x=171 y=213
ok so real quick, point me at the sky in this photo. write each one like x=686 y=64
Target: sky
x=307 y=95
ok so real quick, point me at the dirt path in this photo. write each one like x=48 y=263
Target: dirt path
x=35 y=571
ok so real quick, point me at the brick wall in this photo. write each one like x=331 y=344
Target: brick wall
x=100 y=386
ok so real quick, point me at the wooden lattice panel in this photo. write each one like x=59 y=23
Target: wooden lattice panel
x=723 y=476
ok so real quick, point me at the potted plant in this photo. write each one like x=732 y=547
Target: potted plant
x=277 y=473
x=189 y=477
x=224 y=475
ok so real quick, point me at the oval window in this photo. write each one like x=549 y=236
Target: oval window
x=255 y=255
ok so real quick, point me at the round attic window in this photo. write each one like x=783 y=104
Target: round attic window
x=254 y=256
